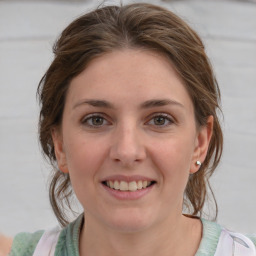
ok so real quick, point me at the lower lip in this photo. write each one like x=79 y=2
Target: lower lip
x=128 y=195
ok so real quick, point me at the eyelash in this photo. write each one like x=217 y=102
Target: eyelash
x=162 y=115
x=88 y=118
x=85 y=121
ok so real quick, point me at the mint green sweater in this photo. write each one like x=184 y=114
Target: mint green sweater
x=24 y=244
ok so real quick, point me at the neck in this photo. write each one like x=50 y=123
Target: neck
x=165 y=237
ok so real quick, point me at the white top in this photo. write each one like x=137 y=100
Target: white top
x=47 y=244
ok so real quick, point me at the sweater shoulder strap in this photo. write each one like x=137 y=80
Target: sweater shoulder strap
x=47 y=243
x=234 y=244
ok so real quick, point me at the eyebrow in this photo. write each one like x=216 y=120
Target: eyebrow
x=146 y=104
x=160 y=103
x=95 y=103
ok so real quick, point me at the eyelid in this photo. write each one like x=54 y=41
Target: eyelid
x=88 y=116
x=161 y=114
x=85 y=118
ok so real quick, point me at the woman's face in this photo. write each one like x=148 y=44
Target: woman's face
x=129 y=140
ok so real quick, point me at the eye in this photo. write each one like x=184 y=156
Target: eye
x=161 y=120
x=95 y=120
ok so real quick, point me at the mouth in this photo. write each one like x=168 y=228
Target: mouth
x=131 y=186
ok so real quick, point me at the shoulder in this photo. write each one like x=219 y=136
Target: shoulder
x=252 y=237
x=68 y=243
x=24 y=244
x=65 y=241
x=210 y=237
x=220 y=240
x=237 y=243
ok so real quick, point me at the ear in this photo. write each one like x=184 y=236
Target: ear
x=59 y=149
x=201 y=144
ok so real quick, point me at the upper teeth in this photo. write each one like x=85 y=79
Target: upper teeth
x=128 y=186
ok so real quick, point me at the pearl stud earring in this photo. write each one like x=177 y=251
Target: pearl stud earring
x=198 y=163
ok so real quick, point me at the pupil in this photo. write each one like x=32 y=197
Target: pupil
x=97 y=120
x=159 y=120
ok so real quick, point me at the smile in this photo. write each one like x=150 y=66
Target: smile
x=128 y=186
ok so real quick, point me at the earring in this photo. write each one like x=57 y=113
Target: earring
x=198 y=163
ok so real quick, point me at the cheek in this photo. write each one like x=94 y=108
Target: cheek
x=84 y=160
x=173 y=162
x=84 y=157
x=173 y=157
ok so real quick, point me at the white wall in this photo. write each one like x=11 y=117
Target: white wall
x=27 y=32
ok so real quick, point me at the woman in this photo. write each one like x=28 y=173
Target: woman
x=129 y=121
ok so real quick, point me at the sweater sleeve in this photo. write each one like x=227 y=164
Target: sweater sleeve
x=253 y=238
x=24 y=244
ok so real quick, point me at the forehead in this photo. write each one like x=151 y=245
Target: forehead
x=129 y=75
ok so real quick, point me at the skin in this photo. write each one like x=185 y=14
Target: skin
x=5 y=245
x=129 y=137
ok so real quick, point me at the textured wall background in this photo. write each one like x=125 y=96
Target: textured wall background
x=27 y=32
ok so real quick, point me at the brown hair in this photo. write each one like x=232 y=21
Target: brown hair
x=131 y=26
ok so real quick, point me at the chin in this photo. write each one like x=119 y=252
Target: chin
x=130 y=221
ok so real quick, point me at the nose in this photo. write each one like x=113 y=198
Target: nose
x=127 y=146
